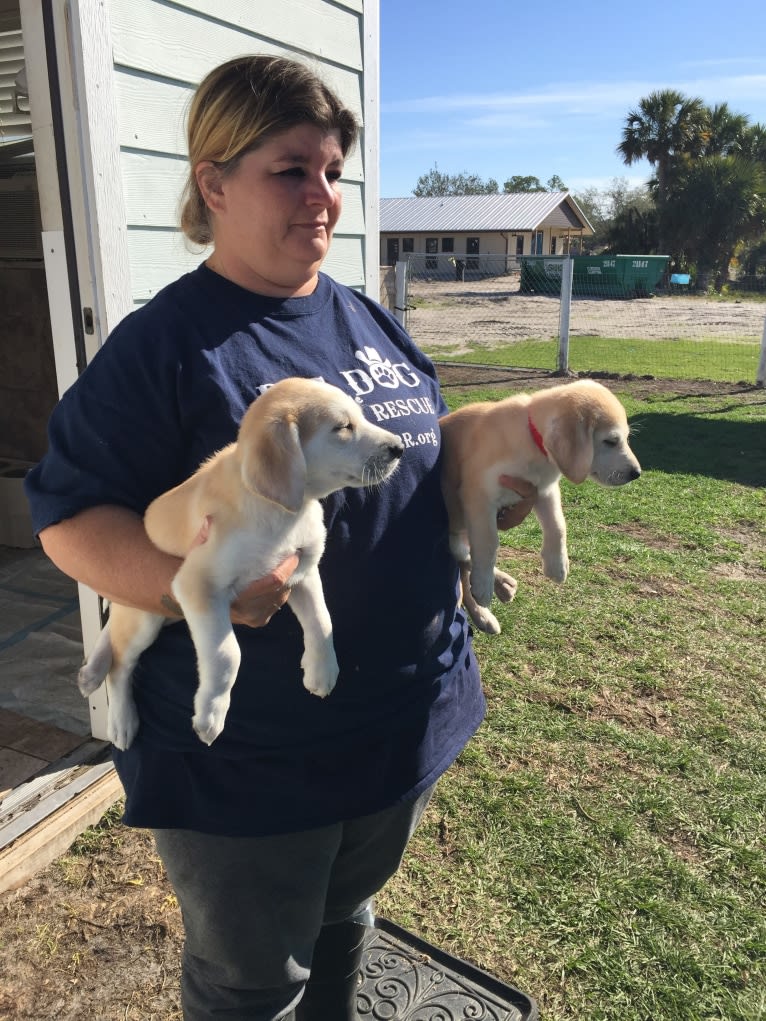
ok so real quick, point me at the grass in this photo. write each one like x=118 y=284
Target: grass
x=601 y=842
x=730 y=293
x=727 y=361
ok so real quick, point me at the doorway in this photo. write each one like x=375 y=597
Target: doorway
x=472 y=253
x=42 y=715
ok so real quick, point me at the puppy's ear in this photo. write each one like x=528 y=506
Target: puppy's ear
x=569 y=441
x=273 y=465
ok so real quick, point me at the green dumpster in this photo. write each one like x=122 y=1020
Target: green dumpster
x=618 y=276
x=598 y=276
x=540 y=274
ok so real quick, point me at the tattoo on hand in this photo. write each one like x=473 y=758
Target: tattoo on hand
x=170 y=604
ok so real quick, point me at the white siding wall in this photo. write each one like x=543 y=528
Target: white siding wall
x=160 y=52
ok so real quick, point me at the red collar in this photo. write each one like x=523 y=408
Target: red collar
x=536 y=436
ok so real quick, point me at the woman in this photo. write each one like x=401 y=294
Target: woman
x=277 y=836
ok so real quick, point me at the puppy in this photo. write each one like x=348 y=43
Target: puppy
x=579 y=430
x=259 y=499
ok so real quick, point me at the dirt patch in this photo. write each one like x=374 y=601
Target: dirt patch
x=458 y=317
x=96 y=936
x=454 y=375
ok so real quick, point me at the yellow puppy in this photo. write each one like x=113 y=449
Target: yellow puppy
x=578 y=430
x=298 y=442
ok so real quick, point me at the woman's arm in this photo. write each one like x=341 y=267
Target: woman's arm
x=107 y=548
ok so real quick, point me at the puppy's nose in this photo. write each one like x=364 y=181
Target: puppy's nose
x=396 y=450
x=635 y=473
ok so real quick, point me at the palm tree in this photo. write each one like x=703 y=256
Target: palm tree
x=732 y=192
x=666 y=125
x=754 y=143
x=724 y=131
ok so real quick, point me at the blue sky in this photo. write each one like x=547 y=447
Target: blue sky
x=500 y=87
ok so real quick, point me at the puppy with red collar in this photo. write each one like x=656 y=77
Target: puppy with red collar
x=578 y=430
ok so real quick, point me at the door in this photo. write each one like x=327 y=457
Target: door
x=472 y=252
x=69 y=70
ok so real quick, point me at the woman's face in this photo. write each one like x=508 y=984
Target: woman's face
x=273 y=216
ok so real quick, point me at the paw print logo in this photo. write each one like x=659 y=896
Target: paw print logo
x=381 y=371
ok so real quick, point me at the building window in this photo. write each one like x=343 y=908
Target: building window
x=408 y=245
x=519 y=244
x=432 y=248
x=448 y=245
x=553 y=244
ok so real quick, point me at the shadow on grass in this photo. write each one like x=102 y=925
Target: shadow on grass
x=714 y=447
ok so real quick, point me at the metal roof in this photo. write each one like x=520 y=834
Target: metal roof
x=518 y=211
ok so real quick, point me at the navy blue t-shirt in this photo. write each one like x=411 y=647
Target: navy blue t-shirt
x=168 y=389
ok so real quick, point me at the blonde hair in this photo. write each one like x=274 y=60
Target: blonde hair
x=237 y=106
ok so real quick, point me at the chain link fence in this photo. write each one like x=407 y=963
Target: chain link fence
x=620 y=314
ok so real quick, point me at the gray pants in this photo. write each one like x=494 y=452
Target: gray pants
x=253 y=906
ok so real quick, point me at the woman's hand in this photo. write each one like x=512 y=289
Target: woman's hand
x=509 y=517
x=258 y=603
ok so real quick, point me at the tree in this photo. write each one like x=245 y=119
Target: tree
x=732 y=192
x=710 y=167
x=723 y=132
x=436 y=183
x=754 y=143
x=753 y=258
x=519 y=183
x=666 y=125
x=604 y=206
x=633 y=230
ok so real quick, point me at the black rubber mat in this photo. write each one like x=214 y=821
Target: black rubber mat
x=406 y=979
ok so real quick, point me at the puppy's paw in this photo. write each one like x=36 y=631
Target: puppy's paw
x=122 y=725
x=505 y=587
x=320 y=673
x=556 y=567
x=485 y=620
x=210 y=717
x=88 y=679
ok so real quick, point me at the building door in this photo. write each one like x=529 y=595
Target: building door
x=392 y=251
x=472 y=251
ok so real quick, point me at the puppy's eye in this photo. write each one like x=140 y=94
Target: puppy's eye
x=611 y=443
x=343 y=427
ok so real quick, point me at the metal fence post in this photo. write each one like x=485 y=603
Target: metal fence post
x=400 y=301
x=760 y=376
x=567 y=276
